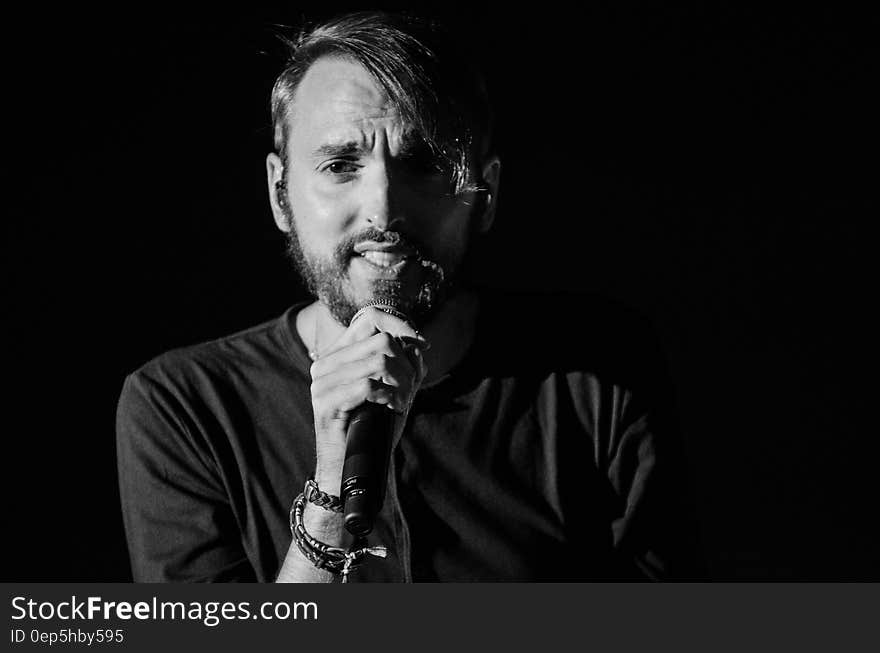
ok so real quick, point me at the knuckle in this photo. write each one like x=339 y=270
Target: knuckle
x=364 y=386
x=385 y=340
x=382 y=361
x=386 y=347
x=318 y=386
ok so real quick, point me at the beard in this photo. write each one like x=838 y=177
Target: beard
x=327 y=278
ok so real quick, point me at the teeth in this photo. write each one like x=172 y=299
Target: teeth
x=382 y=259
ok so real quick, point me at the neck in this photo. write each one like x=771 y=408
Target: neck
x=450 y=332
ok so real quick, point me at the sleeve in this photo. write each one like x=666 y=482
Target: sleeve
x=178 y=521
x=655 y=533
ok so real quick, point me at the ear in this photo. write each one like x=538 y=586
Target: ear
x=278 y=199
x=491 y=181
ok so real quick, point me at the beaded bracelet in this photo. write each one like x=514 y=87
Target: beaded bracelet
x=336 y=560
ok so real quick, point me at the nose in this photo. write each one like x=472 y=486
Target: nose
x=383 y=208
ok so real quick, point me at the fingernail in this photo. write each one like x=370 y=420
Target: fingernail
x=408 y=341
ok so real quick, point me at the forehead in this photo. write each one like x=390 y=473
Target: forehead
x=338 y=100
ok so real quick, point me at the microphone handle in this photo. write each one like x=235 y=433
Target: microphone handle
x=365 y=470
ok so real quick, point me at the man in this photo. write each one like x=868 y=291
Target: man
x=519 y=453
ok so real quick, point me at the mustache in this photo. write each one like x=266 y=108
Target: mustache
x=345 y=248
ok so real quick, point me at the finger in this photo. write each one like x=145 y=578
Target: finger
x=340 y=400
x=379 y=343
x=421 y=342
x=370 y=322
x=394 y=372
x=421 y=367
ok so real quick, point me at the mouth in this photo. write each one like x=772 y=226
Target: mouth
x=384 y=259
x=383 y=256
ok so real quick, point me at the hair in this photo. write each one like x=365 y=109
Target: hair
x=427 y=79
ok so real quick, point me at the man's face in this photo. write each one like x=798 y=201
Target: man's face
x=372 y=216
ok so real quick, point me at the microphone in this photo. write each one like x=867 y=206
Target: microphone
x=367 y=452
x=365 y=471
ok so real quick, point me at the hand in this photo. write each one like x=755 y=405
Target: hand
x=377 y=359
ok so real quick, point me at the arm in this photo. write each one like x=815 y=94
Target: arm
x=656 y=531
x=178 y=521
x=365 y=365
x=325 y=526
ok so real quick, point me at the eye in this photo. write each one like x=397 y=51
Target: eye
x=425 y=167
x=425 y=164
x=340 y=167
x=422 y=162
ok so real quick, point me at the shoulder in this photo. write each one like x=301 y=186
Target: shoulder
x=233 y=359
x=574 y=334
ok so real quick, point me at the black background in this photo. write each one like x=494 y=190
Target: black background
x=712 y=168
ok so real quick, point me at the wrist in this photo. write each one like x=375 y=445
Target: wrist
x=327 y=555
x=329 y=480
x=327 y=526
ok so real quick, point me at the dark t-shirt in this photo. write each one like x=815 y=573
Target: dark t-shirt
x=547 y=454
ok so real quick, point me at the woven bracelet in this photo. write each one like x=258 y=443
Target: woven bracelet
x=321 y=499
x=336 y=560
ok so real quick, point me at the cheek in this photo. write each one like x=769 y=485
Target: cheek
x=447 y=246
x=451 y=235
x=319 y=218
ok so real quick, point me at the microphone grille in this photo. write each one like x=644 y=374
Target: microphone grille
x=384 y=305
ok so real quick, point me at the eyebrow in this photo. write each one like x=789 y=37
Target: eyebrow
x=411 y=144
x=339 y=149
